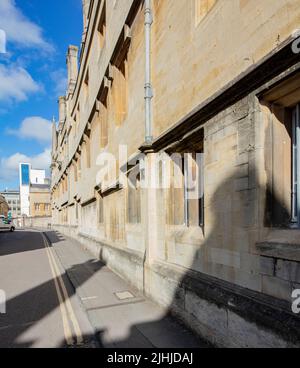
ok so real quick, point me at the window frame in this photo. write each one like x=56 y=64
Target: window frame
x=200 y=183
x=295 y=197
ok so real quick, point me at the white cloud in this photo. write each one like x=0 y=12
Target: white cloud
x=16 y=83
x=19 y=29
x=9 y=166
x=34 y=127
x=60 y=80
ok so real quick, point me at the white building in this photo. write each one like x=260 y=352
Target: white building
x=28 y=177
x=37 y=176
x=24 y=175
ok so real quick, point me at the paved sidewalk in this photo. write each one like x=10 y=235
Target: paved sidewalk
x=121 y=316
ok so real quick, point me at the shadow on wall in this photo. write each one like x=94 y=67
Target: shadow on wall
x=221 y=312
x=278 y=165
x=224 y=303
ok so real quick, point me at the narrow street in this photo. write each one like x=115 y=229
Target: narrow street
x=59 y=296
x=41 y=309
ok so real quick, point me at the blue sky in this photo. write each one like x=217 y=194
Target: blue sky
x=32 y=76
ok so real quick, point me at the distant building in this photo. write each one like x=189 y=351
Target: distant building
x=24 y=174
x=3 y=206
x=40 y=200
x=34 y=191
x=12 y=198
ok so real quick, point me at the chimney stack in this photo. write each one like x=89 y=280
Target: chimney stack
x=62 y=111
x=54 y=137
x=85 y=8
x=72 y=65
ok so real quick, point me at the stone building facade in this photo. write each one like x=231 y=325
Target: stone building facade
x=12 y=198
x=40 y=200
x=158 y=80
x=3 y=206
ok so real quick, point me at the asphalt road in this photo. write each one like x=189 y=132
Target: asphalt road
x=42 y=310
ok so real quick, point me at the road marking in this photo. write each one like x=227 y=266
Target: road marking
x=68 y=303
x=66 y=326
x=64 y=300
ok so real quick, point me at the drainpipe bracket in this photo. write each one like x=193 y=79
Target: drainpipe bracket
x=148 y=17
x=148 y=91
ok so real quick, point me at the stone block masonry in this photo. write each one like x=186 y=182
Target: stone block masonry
x=225 y=264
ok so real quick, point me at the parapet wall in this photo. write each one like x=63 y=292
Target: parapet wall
x=34 y=222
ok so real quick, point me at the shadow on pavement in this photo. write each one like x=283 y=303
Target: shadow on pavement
x=19 y=242
x=29 y=308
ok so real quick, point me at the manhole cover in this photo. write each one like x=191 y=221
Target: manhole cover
x=123 y=295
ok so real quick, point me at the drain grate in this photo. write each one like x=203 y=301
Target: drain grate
x=123 y=295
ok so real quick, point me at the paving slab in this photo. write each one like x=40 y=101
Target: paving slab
x=121 y=315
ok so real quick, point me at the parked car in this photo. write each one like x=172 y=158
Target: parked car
x=6 y=224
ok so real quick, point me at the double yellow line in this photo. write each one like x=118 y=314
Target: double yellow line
x=70 y=322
